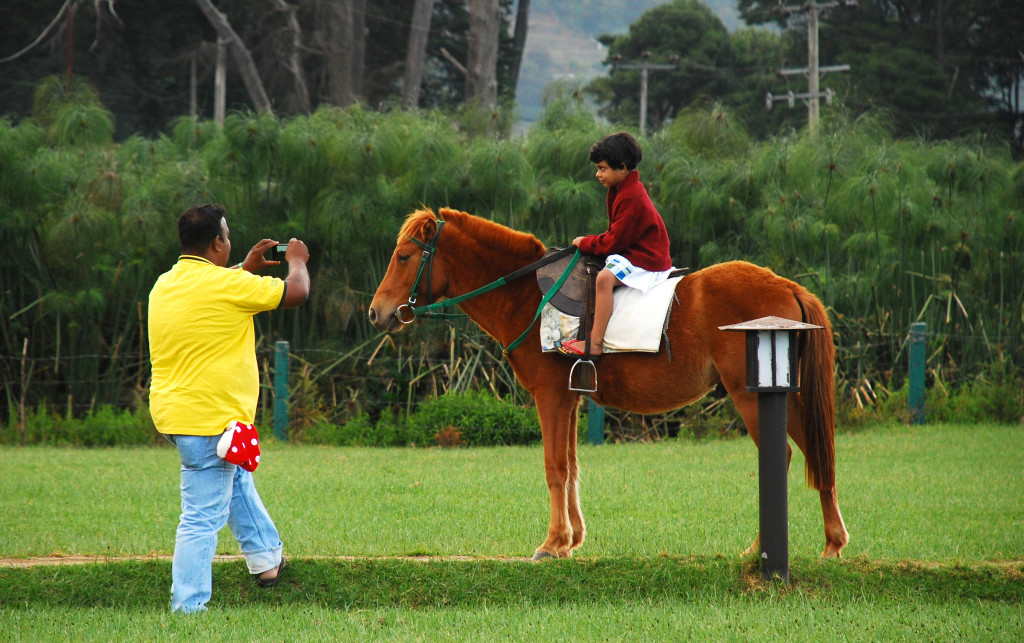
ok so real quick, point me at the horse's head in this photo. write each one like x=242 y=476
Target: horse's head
x=413 y=277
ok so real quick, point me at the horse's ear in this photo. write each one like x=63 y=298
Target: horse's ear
x=429 y=228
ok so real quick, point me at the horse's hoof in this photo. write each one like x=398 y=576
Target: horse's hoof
x=540 y=554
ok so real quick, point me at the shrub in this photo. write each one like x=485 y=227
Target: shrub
x=358 y=431
x=481 y=418
x=995 y=396
x=105 y=427
x=475 y=418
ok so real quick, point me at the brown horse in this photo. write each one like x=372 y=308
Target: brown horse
x=471 y=253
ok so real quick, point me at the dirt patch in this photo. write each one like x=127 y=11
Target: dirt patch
x=43 y=561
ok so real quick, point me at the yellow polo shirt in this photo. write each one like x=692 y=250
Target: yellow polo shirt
x=202 y=345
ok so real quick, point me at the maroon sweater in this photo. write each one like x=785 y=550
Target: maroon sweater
x=635 y=229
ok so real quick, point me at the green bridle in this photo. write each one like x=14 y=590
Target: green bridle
x=406 y=313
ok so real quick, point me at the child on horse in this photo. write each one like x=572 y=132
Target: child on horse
x=636 y=243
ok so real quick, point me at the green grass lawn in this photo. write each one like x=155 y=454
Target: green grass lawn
x=935 y=515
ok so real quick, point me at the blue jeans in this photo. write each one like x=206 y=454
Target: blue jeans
x=215 y=492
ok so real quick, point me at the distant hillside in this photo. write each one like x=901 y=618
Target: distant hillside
x=562 y=40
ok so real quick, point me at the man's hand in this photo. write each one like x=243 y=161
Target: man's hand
x=296 y=250
x=255 y=261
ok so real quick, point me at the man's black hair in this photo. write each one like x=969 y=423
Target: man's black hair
x=199 y=226
x=619 y=151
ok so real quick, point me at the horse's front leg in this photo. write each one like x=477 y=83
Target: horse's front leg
x=579 y=527
x=554 y=412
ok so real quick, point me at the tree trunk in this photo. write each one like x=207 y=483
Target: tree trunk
x=357 y=48
x=519 y=43
x=417 y=52
x=293 y=60
x=241 y=56
x=220 y=84
x=337 y=33
x=345 y=49
x=482 y=60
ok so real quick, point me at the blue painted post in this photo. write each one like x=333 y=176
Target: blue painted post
x=915 y=394
x=281 y=390
x=595 y=422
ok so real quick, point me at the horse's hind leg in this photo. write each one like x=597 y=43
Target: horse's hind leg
x=836 y=536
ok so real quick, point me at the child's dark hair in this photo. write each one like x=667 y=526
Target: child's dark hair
x=618 y=151
x=198 y=226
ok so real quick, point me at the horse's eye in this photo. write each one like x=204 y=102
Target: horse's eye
x=403 y=258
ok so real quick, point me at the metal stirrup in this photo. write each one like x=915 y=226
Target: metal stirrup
x=583 y=376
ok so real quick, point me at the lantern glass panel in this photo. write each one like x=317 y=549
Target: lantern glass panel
x=782 y=372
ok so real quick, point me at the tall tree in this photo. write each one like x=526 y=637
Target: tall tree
x=293 y=59
x=686 y=29
x=142 y=65
x=938 y=67
x=519 y=42
x=482 y=60
x=416 y=53
x=1000 y=49
x=239 y=53
x=344 y=46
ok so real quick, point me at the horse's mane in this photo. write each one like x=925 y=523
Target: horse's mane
x=484 y=231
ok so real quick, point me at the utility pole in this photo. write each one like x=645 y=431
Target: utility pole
x=813 y=72
x=644 y=68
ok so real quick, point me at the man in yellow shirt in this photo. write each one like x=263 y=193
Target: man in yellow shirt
x=203 y=352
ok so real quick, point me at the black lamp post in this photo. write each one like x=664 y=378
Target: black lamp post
x=772 y=372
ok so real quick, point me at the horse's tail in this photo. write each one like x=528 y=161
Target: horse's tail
x=817 y=395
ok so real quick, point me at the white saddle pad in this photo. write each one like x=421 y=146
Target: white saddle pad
x=637 y=324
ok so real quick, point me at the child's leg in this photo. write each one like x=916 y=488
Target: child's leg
x=603 y=300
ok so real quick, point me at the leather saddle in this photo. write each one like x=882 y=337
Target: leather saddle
x=573 y=297
x=576 y=293
x=576 y=298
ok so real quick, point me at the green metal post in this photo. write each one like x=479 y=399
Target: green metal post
x=281 y=390
x=915 y=397
x=595 y=422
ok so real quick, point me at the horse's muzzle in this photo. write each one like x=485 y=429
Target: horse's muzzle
x=389 y=321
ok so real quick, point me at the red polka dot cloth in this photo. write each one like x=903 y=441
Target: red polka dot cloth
x=240 y=445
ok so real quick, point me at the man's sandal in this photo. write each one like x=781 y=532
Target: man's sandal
x=270 y=582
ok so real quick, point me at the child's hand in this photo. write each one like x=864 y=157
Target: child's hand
x=576 y=241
